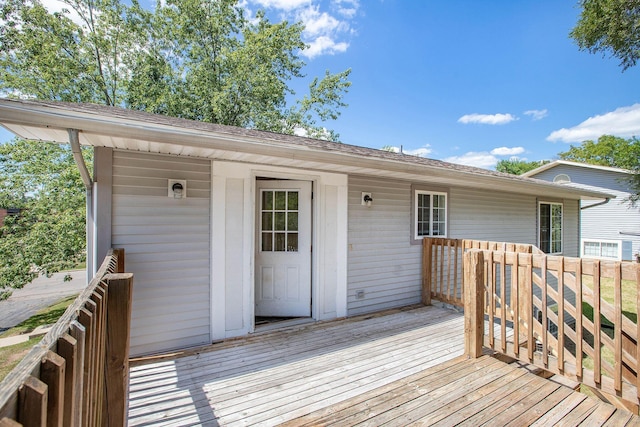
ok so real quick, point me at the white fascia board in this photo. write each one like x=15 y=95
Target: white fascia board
x=52 y=120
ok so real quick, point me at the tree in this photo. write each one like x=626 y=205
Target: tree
x=187 y=58
x=192 y=59
x=515 y=166
x=48 y=235
x=611 y=151
x=610 y=26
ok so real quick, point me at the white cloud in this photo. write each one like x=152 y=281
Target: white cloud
x=537 y=114
x=487 y=119
x=486 y=159
x=623 y=122
x=478 y=159
x=347 y=8
x=324 y=45
x=324 y=32
x=283 y=4
x=316 y=23
x=506 y=151
x=54 y=6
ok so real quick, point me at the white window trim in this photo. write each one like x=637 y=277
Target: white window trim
x=416 y=193
x=618 y=242
x=544 y=202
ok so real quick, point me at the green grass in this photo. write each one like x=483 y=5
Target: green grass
x=46 y=316
x=629 y=309
x=10 y=356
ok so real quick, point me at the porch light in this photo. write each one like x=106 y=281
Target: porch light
x=367 y=199
x=177 y=188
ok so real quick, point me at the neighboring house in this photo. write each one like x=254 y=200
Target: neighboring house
x=222 y=224
x=608 y=230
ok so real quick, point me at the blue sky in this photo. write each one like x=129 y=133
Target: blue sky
x=464 y=81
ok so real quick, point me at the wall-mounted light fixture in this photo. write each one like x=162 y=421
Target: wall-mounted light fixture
x=367 y=199
x=177 y=188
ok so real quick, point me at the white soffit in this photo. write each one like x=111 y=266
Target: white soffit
x=47 y=123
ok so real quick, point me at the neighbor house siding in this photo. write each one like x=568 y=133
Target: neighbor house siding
x=166 y=243
x=616 y=220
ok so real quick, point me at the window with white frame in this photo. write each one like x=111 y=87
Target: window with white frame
x=430 y=214
x=608 y=249
x=550 y=237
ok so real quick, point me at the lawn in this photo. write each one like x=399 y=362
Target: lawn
x=10 y=356
x=629 y=309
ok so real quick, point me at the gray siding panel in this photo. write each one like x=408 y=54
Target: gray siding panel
x=382 y=261
x=387 y=267
x=167 y=244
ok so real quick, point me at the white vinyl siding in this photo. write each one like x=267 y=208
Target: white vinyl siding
x=384 y=259
x=166 y=242
x=613 y=221
x=383 y=265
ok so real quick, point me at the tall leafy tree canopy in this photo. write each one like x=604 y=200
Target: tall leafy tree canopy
x=185 y=58
x=608 y=150
x=48 y=234
x=516 y=166
x=610 y=27
x=202 y=60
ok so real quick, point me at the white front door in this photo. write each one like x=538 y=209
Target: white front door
x=283 y=248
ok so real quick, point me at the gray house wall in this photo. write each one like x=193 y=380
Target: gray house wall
x=166 y=243
x=384 y=264
x=616 y=220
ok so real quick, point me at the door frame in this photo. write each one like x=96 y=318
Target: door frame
x=283 y=176
x=232 y=243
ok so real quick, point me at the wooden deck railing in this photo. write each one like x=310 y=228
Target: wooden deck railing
x=443 y=268
x=78 y=374
x=549 y=311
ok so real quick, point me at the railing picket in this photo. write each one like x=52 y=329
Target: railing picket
x=617 y=302
x=85 y=317
x=503 y=301
x=545 y=321
x=78 y=332
x=579 y=334
x=52 y=373
x=32 y=403
x=491 y=282
x=515 y=303
x=597 y=326
x=561 y=314
x=68 y=349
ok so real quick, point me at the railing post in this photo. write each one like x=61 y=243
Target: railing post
x=473 y=303
x=117 y=348
x=119 y=253
x=426 y=270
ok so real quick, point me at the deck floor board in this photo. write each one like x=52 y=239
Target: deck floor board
x=395 y=368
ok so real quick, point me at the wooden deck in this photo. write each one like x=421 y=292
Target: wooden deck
x=399 y=368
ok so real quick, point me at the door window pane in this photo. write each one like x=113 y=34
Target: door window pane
x=279 y=220
x=279 y=242
x=281 y=200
